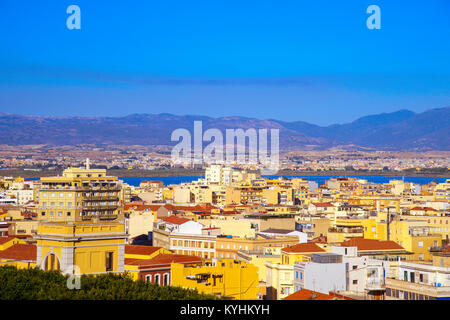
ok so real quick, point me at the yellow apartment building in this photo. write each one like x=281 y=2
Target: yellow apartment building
x=412 y=234
x=279 y=280
x=228 y=246
x=81 y=225
x=301 y=252
x=344 y=229
x=230 y=225
x=259 y=260
x=228 y=278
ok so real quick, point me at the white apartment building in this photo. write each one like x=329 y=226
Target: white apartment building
x=421 y=280
x=184 y=236
x=342 y=271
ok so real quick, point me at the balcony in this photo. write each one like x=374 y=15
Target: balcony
x=101 y=198
x=108 y=217
x=100 y=208
x=418 y=288
x=375 y=284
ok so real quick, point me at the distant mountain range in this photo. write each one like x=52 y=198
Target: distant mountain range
x=398 y=131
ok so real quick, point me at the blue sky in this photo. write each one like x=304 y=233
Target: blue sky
x=314 y=61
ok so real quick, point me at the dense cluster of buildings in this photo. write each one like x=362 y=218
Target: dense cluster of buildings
x=44 y=157
x=236 y=234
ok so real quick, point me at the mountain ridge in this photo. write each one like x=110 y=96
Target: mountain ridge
x=402 y=130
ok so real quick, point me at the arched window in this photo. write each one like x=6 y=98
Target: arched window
x=166 y=279
x=148 y=278
x=51 y=262
x=157 y=280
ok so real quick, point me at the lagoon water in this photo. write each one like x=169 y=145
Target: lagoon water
x=135 y=181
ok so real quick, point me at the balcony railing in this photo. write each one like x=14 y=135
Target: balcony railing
x=418 y=288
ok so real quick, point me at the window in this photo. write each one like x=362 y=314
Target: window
x=61 y=195
x=109 y=261
x=355 y=267
x=53 y=194
x=388 y=292
x=420 y=256
x=148 y=278
x=44 y=204
x=355 y=281
x=420 y=244
x=68 y=214
x=157 y=276
x=43 y=213
x=166 y=279
x=60 y=214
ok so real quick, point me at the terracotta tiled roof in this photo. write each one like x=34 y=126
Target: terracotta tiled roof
x=205 y=208
x=6 y=239
x=371 y=244
x=303 y=247
x=322 y=204
x=135 y=249
x=423 y=209
x=164 y=259
x=141 y=207
x=319 y=239
x=230 y=212
x=305 y=294
x=19 y=252
x=175 y=220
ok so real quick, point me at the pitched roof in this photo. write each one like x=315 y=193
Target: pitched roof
x=303 y=247
x=164 y=259
x=6 y=239
x=319 y=239
x=305 y=294
x=422 y=209
x=142 y=207
x=322 y=204
x=19 y=252
x=136 y=249
x=175 y=220
x=371 y=244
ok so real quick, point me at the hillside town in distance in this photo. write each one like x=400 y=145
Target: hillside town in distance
x=42 y=158
x=233 y=233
